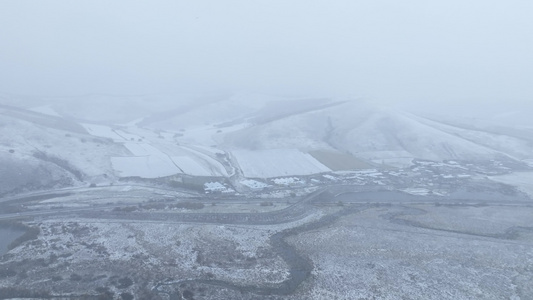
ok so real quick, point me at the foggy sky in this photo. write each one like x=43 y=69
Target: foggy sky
x=391 y=50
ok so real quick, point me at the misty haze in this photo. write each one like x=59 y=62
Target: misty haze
x=266 y=149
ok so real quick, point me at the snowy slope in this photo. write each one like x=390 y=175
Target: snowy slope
x=375 y=134
x=277 y=162
x=393 y=131
x=218 y=113
x=264 y=136
x=240 y=108
x=514 y=143
x=34 y=156
x=522 y=180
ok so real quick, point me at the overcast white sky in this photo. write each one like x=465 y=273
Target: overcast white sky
x=379 y=49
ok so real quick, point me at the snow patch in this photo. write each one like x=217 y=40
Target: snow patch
x=529 y=162
x=417 y=191
x=213 y=187
x=253 y=184
x=287 y=181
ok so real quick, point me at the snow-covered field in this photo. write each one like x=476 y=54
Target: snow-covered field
x=529 y=162
x=46 y=109
x=191 y=166
x=103 y=131
x=158 y=155
x=277 y=162
x=144 y=166
x=147 y=162
x=150 y=162
x=143 y=149
x=522 y=180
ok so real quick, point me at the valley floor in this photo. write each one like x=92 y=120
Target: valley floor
x=356 y=245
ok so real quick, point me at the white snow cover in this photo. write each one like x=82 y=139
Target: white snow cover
x=191 y=166
x=143 y=149
x=522 y=180
x=126 y=135
x=332 y=178
x=277 y=162
x=417 y=191
x=148 y=162
x=46 y=109
x=253 y=184
x=208 y=163
x=529 y=162
x=238 y=107
x=286 y=180
x=381 y=135
x=214 y=186
x=144 y=166
x=103 y=131
x=154 y=159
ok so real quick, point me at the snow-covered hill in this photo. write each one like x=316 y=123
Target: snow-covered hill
x=35 y=155
x=378 y=134
x=97 y=138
